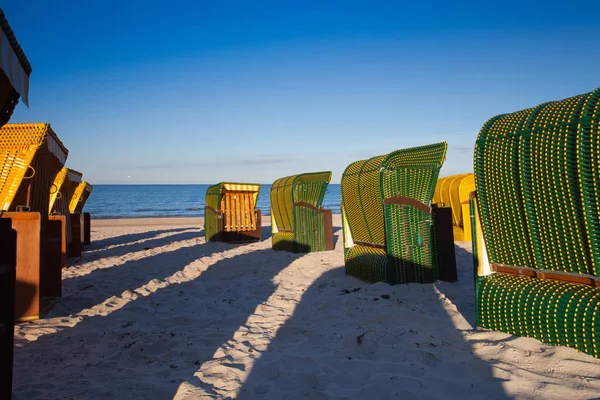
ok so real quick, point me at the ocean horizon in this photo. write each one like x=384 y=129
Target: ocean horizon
x=109 y=201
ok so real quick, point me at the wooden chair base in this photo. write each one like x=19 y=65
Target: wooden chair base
x=78 y=232
x=87 y=229
x=39 y=262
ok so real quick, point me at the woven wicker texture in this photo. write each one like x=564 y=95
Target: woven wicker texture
x=63 y=188
x=61 y=192
x=19 y=144
x=538 y=192
x=305 y=225
x=236 y=202
x=537 y=178
x=80 y=196
x=453 y=191
x=552 y=312
x=391 y=243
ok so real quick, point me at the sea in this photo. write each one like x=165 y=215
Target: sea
x=147 y=201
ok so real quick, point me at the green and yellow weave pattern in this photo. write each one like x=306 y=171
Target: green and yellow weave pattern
x=552 y=312
x=298 y=228
x=391 y=242
x=538 y=189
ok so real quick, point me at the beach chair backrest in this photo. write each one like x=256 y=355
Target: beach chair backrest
x=233 y=205
x=537 y=249
x=238 y=211
x=63 y=190
x=31 y=155
x=80 y=196
x=309 y=188
x=386 y=210
x=298 y=222
x=453 y=191
x=537 y=175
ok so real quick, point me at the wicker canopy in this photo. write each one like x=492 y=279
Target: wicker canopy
x=63 y=188
x=538 y=192
x=80 y=196
x=28 y=152
x=297 y=223
x=375 y=230
x=14 y=71
x=453 y=191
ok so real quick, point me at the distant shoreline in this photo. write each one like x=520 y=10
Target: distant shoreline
x=109 y=217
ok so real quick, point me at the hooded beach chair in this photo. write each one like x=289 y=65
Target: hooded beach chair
x=30 y=157
x=61 y=193
x=537 y=245
x=14 y=83
x=391 y=232
x=230 y=214
x=298 y=222
x=80 y=196
x=454 y=192
x=14 y=72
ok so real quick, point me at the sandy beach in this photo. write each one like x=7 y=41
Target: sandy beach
x=151 y=311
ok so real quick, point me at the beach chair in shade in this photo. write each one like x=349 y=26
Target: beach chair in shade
x=30 y=157
x=537 y=241
x=391 y=232
x=230 y=214
x=454 y=192
x=14 y=72
x=80 y=196
x=61 y=193
x=298 y=221
x=14 y=84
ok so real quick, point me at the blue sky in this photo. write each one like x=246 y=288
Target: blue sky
x=207 y=91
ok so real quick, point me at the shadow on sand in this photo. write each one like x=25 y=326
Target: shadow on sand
x=129 y=238
x=161 y=337
x=133 y=246
x=351 y=340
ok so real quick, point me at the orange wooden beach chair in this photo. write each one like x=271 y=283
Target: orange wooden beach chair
x=230 y=214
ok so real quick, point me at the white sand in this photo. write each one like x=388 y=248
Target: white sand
x=153 y=312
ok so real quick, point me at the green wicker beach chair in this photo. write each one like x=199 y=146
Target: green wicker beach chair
x=537 y=246
x=298 y=222
x=388 y=224
x=230 y=214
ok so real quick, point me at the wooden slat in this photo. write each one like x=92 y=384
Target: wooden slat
x=227 y=198
x=251 y=211
x=238 y=212
x=560 y=276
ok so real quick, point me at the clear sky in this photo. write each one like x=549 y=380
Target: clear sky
x=206 y=91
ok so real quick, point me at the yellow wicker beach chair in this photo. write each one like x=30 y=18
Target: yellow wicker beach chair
x=391 y=232
x=80 y=196
x=30 y=157
x=453 y=191
x=298 y=222
x=61 y=193
x=536 y=244
x=230 y=214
